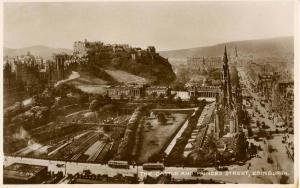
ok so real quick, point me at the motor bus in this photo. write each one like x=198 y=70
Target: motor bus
x=118 y=164
x=153 y=166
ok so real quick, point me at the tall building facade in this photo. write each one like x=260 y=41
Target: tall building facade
x=60 y=60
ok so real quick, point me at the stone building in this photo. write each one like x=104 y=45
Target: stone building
x=204 y=91
x=265 y=85
x=204 y=63
x=18 y=173
x=151 y=50
x=125 y=91
x=80 y=49
x=283 y=101
x=158 y=90
x=61 y=67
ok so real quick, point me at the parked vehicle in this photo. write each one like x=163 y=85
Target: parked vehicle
x=153 y=166
x=60 y=165
x=118 y=164
x=201 y=170
x=196 y=174
x=221 y=168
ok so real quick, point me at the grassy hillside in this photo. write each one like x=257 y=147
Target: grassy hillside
x=125 y=77
x=155 y=70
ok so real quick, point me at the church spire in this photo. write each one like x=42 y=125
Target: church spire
x=225 y=58
x=236 y=53
x=227 y=92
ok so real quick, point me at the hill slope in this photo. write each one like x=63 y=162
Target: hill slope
x=39 y=50
x=273 y=47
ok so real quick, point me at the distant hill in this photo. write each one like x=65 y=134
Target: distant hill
x=39 y=50
x=274 y=47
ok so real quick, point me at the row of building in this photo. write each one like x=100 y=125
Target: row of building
x=278 y=93
x=34 y=73
x=205 y=64
x=141 y=91
x=219 y=119
x=31 y=73
x=82 y=48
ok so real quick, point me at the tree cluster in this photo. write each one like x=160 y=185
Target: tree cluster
x=127 y=144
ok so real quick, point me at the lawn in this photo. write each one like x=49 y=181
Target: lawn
x=156 y=136
x=95 y=89
x=126 y=77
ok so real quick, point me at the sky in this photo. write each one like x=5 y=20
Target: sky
x=166 y=25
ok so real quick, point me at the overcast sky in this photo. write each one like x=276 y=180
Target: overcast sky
x=166 y=25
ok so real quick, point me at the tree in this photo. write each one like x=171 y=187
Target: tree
x=194 y=99
x=106 y=128
x=161 y=118
x=257 y=123
x=269 y=160
x=250 y=132
x=155 y=157
x=178 y=101
x=94 y=106
x=83 y=98
x=241 y=146
x=36 y=100
x=161 y=97
x=245 y=117
x=107 y=98
x=284 y=179
x=153 y=95
x=253 y=149
x=171 y=98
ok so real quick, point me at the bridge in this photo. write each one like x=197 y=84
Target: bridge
x=111 y=125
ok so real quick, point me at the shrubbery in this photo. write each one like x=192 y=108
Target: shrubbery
x=127 y=144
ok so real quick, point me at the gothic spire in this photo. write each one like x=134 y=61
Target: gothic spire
x=225 y=59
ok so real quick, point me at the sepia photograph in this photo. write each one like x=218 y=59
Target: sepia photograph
x=149 y=92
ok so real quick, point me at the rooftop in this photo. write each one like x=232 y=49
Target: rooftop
x=22 y=171
x=156 y=87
